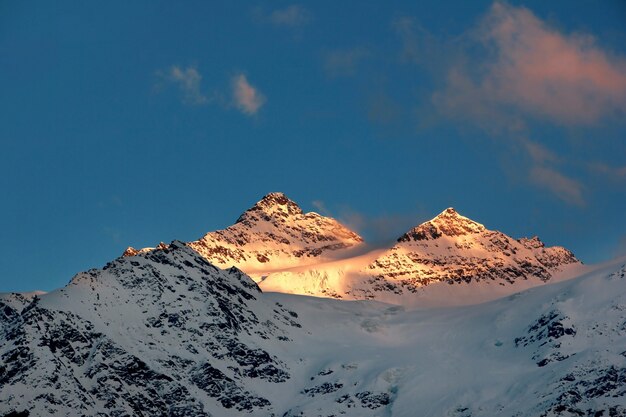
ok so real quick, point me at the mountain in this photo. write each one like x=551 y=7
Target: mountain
x=448 y=260
x=274 y=234
x=165 y=333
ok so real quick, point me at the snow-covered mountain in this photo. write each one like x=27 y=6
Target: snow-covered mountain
x=274 y=234
x=165 y=333
x=447 y=260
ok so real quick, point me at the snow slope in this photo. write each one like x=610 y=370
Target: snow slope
x=164 y=333
x=555 y=350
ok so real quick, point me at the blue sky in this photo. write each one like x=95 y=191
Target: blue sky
x=130 y=123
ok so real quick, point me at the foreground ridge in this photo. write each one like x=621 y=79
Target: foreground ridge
x=165 y=333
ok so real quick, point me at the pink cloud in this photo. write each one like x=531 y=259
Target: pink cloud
x=247 y=98
x=537 y=71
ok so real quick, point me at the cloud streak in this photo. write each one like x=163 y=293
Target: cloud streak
x=536 y=71
x=544 y=173
x=246 y=97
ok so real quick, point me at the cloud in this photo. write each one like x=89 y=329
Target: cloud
x=291 y=16
x=321 y=207
x=188 y=81
x=567 y=189
x=513 y=70
x=380 y=230
x=544 y=174
x=533 y=70
x=343 y=62
x=247 y=98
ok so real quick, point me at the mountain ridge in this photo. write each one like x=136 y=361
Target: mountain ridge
x=287 y=250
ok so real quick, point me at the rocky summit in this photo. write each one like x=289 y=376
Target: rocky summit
x=274 y=233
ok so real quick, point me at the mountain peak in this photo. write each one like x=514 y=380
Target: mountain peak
x=450 y=211
x=274 y=204
x=449 y=223
x=449 y=214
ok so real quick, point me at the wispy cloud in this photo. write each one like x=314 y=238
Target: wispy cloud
x=534 y=69
x=344 y=62
x=189 y=82
x=320 y=206
x=567 y=189
x=380 y=230
x=294 y=15
x=539 y=153
x=247 y=98
x=545 y=172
